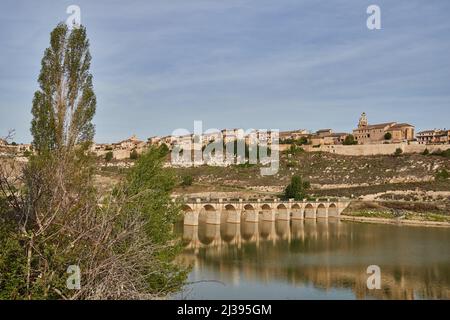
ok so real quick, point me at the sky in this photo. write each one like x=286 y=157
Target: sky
x=160 y=65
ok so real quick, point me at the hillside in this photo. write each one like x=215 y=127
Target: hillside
x=329 y=174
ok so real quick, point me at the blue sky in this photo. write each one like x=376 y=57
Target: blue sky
x=159 y=65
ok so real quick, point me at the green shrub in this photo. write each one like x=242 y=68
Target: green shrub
x=296 y=189
x=445 y=153
x=12 y=264
x=164 y=149
x=442 y=175
x=27 y=153
x=187 y=181
x=134 y=155
x=350 y=140
x=398 y=152
x=291 y=164
x=109 y=156
x=293 y=149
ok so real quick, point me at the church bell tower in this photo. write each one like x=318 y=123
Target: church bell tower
x=362 y=121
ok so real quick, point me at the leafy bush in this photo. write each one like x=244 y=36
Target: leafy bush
x=27 y=153
x=445 y=153
x=442 y=175
x=387 y=136
x=398 y=152
x=134 y=155
x=164 y=149
x=109 y=156
x=350 y=140
x=294 y=149
x=12 y=262
x=291 y=164
x=296 y=189
x=187 y=181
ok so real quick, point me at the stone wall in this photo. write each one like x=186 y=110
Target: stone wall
x=117 y=154
x=376 y=149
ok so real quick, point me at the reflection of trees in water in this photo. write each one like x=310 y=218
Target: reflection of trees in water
x=328 y=254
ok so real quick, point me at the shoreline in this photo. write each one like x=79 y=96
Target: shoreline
x=418 y=223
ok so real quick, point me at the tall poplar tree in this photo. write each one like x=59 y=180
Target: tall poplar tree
x=122 y=242
x=65 y=104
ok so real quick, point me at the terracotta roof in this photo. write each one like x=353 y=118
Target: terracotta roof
x=378 y=126
x=427 y=132
x=401 y=125
x=339 y=134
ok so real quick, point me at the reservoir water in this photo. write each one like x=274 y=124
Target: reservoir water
x=315 y=259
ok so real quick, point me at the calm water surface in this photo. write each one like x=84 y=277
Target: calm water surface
x=323 y=259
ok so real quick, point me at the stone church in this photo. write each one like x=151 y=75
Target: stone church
x=389 y=132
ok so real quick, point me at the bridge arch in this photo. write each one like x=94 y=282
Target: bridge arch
x=296 y=212
x=333 y=210
x=267 y=213
x=209 y=214
x=321 y=211
x=249 y=207
x=309 y=211
x=229 y=207
x=231 y=214
x=208 y=207
x=190 y=216
x=282 y=212
x=250 y=214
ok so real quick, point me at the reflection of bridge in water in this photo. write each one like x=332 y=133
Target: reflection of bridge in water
x=237 y=211
x=328 y=253
x=217 y=235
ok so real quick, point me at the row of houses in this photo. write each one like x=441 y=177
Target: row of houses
x=435 y=136
x=130 y=144
x=381 y=133
x=225 y=135
x=364 y=134
x=122 y=149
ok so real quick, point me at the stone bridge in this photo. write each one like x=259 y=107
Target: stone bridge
x=235 y=211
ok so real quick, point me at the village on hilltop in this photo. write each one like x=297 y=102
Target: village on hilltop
x=366 y=139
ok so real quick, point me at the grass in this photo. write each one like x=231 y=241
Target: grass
x=392 y=210
x=372 y=214
x=407 y=216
